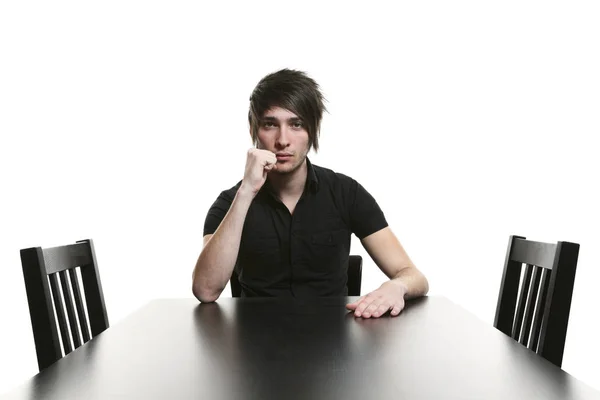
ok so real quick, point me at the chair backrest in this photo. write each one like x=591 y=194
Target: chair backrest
x=354 y=278
x=534 y=302
x=52 y=279
x=354 y=275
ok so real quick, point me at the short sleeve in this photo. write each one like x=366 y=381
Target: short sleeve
x=217 y=212
x=366 y=217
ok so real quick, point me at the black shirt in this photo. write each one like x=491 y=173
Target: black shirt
x=304 y=254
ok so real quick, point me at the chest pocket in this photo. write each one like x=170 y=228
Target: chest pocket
x=328 y=249
x=325 y=238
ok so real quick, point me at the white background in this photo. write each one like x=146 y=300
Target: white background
x=121 y=121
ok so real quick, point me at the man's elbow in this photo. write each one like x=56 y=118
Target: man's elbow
x=425 y=285
x=205 y=295
x=421 y=283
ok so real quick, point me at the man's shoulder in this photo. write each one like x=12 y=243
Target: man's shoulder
x=229 y=194
x=331 y=177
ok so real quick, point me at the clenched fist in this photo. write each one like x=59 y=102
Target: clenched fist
x=258 y=164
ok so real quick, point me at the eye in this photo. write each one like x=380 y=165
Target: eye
x=298 y=125
x=268 y=124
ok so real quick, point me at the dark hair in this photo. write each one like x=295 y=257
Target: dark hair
x=293 y=90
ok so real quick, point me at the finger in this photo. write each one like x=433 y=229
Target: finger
x=360 y=308
x=396 y=309
x=382 y=309
x=267 y=152
x=270 y=156
x=352 y=306
x=269 y=166
x=268 y=161
x=371 y=309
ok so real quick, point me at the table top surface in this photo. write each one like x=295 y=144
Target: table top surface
x=275 y=348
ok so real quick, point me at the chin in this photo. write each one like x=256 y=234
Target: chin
x=290 y=167
x=287 y=168
x=283 y=171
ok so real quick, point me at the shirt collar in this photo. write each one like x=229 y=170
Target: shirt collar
x=312 y=181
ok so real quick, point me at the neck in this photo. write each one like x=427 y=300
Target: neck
x=291 y=184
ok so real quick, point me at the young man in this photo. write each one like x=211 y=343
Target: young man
x=286 y=226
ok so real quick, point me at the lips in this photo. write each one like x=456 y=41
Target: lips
x=283 y=156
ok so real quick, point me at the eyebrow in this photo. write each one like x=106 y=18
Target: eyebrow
x=293 y=119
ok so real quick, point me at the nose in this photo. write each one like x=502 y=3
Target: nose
x=283 y=137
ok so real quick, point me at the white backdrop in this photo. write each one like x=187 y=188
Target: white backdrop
x=121 y=121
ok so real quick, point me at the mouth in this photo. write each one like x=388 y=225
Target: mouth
x=283 y=156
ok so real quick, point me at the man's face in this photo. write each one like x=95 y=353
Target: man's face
x=283 y=133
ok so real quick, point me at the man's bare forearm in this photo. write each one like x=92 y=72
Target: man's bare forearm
x=217 y=259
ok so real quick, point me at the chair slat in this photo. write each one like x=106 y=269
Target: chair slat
x=539 y=312
x=60 y=314
x=85 y=331
x=534 y=253
x=66 y=257
x=521 y=303
x=531 y=302
x=66 y=289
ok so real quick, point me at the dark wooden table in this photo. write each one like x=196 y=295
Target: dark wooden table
x=291 y=349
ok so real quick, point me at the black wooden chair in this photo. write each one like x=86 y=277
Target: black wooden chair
x=43 y=269
x=534 y=304
x=354 y=278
